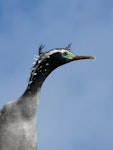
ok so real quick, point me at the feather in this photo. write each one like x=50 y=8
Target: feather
x=41 y=49
x=68 y=47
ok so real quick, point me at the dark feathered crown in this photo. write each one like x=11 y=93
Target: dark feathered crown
x=40 y=49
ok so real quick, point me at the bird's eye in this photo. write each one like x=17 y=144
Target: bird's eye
x=68 y=55
x=65 y=53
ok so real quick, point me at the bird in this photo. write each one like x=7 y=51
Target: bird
x=18 y=118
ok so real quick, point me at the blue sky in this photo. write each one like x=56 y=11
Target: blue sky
x=76 y=104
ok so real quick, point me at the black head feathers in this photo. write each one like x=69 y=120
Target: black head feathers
x=41 y=49
x=68 y=47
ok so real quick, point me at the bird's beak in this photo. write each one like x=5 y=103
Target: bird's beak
x=77 y=57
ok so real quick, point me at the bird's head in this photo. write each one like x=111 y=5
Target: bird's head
x=50 y=60
x=59 y=56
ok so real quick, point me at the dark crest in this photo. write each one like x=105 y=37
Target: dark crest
x=68 y=47
x=41 y=49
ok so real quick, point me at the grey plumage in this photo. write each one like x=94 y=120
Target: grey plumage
x=18 y=118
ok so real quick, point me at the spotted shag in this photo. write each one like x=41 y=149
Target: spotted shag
x=18 y=118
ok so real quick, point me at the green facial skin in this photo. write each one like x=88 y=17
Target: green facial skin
x=68 y=55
